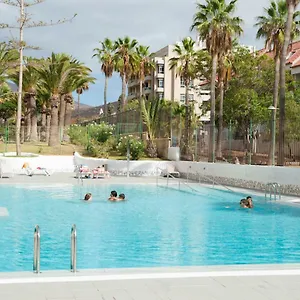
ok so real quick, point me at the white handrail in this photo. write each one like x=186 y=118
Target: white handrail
x=73 y=249
x=36 y=249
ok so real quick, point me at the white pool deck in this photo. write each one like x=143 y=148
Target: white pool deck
x=182 y=283
x=208 y=283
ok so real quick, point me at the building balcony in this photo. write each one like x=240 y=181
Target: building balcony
x=132 y=83
x=148 y=78
x=160 y=90
x=160 y=75
x=131 y=96
x=148 y=90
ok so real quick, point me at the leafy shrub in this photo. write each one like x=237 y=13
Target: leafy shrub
x=136 y=147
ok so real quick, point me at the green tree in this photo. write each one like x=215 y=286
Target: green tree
x=144 y=66
x=271 y=28
x=291 y=4
x=151 y=116
x=216 y=25
x=8 y=61
x=184 y=62
x=250 y=92
x=53 y=75
x=105 y=55
x=29 y=85
x=125 y=57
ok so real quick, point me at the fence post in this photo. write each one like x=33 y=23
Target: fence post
x=230 y=141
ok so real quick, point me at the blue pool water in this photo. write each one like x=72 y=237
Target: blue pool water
x=155 y=227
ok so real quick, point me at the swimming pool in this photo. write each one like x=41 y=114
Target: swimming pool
x=156 y=227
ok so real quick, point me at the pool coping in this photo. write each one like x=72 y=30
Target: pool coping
x=150 y=273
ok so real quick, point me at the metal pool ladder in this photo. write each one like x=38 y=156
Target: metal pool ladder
x=73 y=249
x=273 y=189
x=36 y=249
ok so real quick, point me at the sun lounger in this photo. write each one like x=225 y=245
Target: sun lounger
x=35 y=171
x=100 y=172
x=170 y=170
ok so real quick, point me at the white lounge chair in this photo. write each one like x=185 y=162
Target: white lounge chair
x=170 y=170
x=36 y=171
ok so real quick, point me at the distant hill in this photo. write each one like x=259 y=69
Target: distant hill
x=91 y=113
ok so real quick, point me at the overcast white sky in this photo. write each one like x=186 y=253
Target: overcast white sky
x=155 y=23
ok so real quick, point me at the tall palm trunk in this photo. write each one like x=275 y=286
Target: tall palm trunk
x=220 y=129
x=44 y=121
x=105 y=97
x=48 y=126
x=20 y=87
x=62 y=110
x=78 y=107
x=211 y=147
x=287 y=38
x=33 y=117
x=186 y=146
x=123 y=91
x=68 y=114
x=27 y=120
x=275 y=104
x=54 y=132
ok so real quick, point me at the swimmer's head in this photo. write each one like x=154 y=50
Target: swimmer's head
x=122 y=196
x=113 y=194
x=88 y=197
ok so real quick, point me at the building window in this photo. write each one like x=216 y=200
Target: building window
x=160 y=96
x=182 y=84
x=160 y=83
x=191 y=97
x=182 y=98
x=161 y=69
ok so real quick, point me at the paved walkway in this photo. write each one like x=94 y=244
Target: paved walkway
x=157 y=284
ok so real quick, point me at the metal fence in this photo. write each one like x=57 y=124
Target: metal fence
x=236 y=145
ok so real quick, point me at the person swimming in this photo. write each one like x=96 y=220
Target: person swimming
x=121 y=197
x=246 y=203
x=88 y=197
x=113 y=196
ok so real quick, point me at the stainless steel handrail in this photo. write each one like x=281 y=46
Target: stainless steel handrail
x=73 y=249
x=36 y=249
x=274 y=189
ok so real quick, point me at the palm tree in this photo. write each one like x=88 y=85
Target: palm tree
x=271 y=28
x=80 y=90
x=224 y=75
x=151 y=117
x=30 y=82
x=79 y=81
x=216 y=25
x=184 y=62
x=125 y=58
x=43 y=102
x=291 y=6
x=8 y=61
x=105 y=55
x=144 y=66
x=53 y=76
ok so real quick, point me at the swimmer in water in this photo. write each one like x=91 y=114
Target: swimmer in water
x=121 y=197
x=88 y=197
x=113 y=196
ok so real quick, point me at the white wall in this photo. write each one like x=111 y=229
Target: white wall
x=263 y=174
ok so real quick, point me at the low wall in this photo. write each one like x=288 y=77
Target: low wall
x=119 y=167
x=246 y=176
x=51 y=162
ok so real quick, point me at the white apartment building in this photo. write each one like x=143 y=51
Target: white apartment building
x=163 y=83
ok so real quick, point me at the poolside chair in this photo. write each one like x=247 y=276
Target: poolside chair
x=100 y=172
x=170 y=170
x=35 y=171
x=83 y=171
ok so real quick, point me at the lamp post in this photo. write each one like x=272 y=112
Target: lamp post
x=273 y=132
